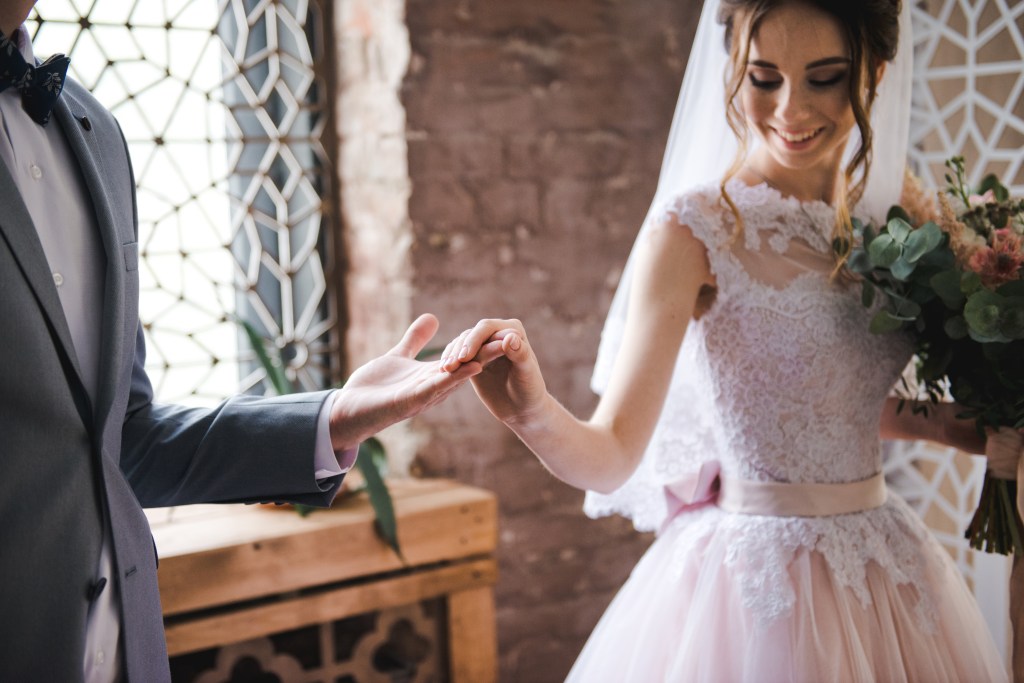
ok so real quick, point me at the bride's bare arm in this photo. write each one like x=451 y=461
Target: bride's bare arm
x=941 y=425
x=936 y=423
x=600 y=453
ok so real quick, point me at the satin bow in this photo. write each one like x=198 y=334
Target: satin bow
x=693 y=491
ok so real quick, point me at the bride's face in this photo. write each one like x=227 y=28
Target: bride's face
x=795 y=96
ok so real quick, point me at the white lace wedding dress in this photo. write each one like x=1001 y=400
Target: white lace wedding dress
x=780 y=381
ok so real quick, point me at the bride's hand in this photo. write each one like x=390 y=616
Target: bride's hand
x=511 y=384
x=1003 y=448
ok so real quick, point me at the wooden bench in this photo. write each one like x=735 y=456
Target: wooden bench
x=234 y=573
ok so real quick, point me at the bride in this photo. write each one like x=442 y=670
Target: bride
x=743 y=397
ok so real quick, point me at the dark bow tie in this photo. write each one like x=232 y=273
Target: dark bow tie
x=40 y=86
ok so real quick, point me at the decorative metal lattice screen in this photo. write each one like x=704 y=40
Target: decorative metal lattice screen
x=968 y=100
x=222 y=104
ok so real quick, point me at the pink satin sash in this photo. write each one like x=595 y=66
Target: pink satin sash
x=709 y=486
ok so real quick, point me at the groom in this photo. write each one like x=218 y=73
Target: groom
x=82 y=446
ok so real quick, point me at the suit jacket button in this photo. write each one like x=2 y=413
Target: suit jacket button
x=86 y=123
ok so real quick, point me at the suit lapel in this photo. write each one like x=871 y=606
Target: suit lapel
x=69 y=113
x=19 y=232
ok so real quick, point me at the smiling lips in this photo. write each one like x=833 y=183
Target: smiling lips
x=797 y=138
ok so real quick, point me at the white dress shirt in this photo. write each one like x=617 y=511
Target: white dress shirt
x=43 y=167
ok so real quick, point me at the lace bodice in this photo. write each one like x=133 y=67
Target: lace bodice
x=780 y=380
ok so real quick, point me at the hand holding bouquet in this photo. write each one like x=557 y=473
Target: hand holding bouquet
x=956 y=283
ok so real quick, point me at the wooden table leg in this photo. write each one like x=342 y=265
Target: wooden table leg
x=472 y=637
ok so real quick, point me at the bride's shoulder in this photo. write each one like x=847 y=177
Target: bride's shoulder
x=703 y=197
x=701 y=209
x=720 y=202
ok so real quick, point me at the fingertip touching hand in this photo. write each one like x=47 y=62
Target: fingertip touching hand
x=394 y=387
x=510 y=385
x=485 y=342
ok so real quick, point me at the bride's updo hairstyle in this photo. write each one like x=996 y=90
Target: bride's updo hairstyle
x=872 y=33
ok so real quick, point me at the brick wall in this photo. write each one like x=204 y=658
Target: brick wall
x=535 y=130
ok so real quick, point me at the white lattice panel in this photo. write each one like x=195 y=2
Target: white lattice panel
x=969 y=88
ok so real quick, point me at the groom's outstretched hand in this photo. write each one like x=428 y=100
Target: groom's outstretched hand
x=393 y=387
x=511 y=384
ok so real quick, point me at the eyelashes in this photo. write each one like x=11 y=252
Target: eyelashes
x=817 y=83
x=763 y=85
x=825 y=83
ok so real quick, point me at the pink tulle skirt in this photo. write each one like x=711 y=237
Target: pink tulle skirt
x=684 y=618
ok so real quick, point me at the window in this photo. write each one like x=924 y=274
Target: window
x=224 y=109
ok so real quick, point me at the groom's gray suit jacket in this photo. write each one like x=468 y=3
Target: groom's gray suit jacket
x=72 y=470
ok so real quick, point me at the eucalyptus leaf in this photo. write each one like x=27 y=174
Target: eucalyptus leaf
x=940 y=259
x=897 y=211
x=884 y=321
x=983 y=315
x=902 y=268
x=906 y=309
x=956 y=327
x=859 y=261
x=970 y=283
x=884 y=251
x=867 y=294
x=1012 y=289
x=920 y=293
x=947 y=285
x=1012 y=324
x=923 y=240
x=899 y=229
x=869 y=234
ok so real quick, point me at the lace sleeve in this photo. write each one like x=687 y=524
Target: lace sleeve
x=701 y=213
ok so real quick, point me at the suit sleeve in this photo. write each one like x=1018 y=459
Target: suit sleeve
x=247 y=449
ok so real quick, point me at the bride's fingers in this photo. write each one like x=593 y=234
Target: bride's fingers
x=448 y=353
x=470 y=344
x=483 y=332
x=450 y=360
x=515 y=347
x=489 y=352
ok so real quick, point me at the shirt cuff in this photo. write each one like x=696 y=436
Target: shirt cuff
x=326 y=461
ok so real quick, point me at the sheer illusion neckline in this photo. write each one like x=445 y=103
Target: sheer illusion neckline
x=781 y=217
x=763 y=188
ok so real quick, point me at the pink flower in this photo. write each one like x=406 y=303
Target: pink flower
x=1001 y=262
x=981 y=199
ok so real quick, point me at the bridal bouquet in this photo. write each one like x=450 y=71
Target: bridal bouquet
x=956 y=282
